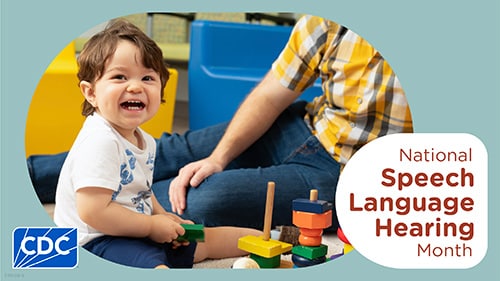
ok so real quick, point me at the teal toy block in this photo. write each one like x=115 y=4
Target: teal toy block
x=194 y=232
x=310 y=252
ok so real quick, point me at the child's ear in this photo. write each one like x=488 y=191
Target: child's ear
x=88 y=92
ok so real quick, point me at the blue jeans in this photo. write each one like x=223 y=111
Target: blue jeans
x=287 y=154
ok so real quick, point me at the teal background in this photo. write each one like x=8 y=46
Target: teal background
x=446 y=54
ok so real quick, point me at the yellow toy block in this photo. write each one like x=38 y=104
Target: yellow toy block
x=259 y=246
x=312 y=220
x=54 y=116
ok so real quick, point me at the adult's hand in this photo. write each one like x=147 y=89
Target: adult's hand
x=190 y=175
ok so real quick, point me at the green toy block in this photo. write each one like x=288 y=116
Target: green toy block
x=194 y=232
x=310 y=252
x=266 y=262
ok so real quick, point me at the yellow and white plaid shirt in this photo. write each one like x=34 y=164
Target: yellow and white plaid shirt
x=362 y=97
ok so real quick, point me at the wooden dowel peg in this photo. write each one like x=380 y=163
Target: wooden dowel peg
x=313 y=195
x=269 y=211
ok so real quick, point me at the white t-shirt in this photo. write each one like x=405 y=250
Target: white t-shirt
x=101 y=157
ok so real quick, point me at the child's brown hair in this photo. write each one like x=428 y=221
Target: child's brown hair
x=101 y=47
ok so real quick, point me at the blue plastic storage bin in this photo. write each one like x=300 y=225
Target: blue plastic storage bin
x=226 y=61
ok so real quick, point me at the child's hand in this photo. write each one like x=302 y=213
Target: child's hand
x=176 y=244
x=165 y=229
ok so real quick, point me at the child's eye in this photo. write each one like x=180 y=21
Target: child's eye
x=119 y=77
x=148 y=78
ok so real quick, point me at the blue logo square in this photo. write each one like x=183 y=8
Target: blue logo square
x=44 y=247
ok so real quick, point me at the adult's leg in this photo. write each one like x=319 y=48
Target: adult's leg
x=287 y=154
x=173 y=151
x=237 y=197
x=44 y=173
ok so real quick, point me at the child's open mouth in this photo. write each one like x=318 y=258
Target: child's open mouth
x=133 y=105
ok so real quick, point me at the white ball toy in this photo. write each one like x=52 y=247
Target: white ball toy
x=245 y=263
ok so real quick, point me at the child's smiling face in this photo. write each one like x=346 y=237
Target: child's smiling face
x=127 y=94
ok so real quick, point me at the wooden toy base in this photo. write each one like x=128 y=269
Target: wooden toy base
x=286 y=264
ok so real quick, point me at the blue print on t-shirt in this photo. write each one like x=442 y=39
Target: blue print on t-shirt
x=131 y=159
x=151 y=161
x=140 y=200
x=115 y=194
x=126 y=175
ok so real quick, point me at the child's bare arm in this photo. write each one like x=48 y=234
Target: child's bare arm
x=96 y=209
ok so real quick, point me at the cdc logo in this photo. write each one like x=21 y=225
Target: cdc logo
x=44 y=247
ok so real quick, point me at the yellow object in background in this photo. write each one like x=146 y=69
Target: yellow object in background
x=54 y=116
x=348 y=248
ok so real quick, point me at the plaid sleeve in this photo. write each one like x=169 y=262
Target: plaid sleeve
x=362 y=97
x=297 y=65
